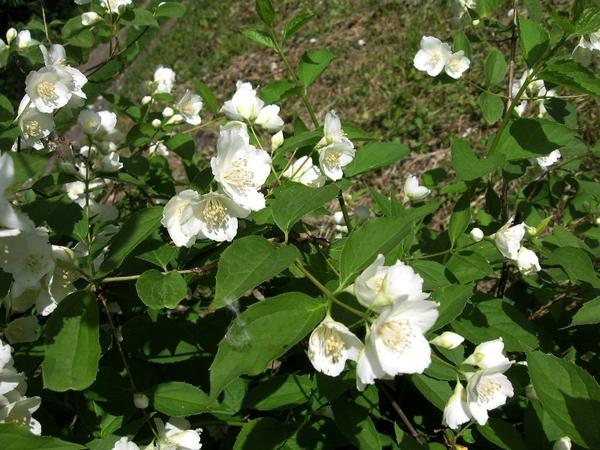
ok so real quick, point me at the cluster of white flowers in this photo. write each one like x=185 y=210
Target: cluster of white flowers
x=185 y=110
x=15 y=406
x=17 y=41
x=436 y=56
x=176 y=434
x=246 y=106
x=534 y=94
x=508 y=241
x=487 y=388
x=395 y=342
x=111 y=6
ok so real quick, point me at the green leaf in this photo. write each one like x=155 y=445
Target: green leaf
x=460 y=41
x=468 y=266
x=210 y=101
x=294 y=200
x=490 y=319
x=265 y=331
x=294 y=24
x=503 y=434
x=452 y=300
x=588 y=314
x=274 y=91
x=144 y=18
x=260 y=434
x=134 y=231
x=534 y=9
x=436 y=391
x=18 y=437
x=170 y=9
x=573 y=75
x=534 y=40
x=278 y=392
x=182 y=144
x=588 y=22
x=28 y=166
x=365 y=243
x=467 y=165
x=354 y=422
x=72 y=344
x=494 y=67
x=491 y=106
x=460 y=219
x=375 y=155
x=312 y=65
x=265 y=11
x=576 y=263
x=158 y=290
x=569 y=394
x=180 y=399
x=246 y=263
x=258 y=37
x=7 y=112
x=160 y=256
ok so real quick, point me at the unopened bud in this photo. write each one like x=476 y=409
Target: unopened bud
x=11 y=34
x=156 y=123
x=146 y=99
x=168 y=112
x=448 y=340
x=531 y=231
x=140 y=400
x=89 y=18
x=276 y=140
x=476 y=234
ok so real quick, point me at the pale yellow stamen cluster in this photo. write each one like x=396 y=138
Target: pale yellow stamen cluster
x=34 y=262
x=239 y=175
x=487 y=390
x=214 y=213
x=332 y=344
x=333 y=158
x=188 y=109
x=33 y=128
x=397 y=335
x=46 y=91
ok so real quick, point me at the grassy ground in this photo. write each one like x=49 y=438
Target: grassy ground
x=373 y=85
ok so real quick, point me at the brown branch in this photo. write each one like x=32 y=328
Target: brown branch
x=411 y=429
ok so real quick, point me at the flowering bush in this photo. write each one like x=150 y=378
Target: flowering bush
x=155 y=297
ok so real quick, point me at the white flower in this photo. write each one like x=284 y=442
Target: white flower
x=277 y=140
x=11 y=34
x=433 y=56
x=164 y=78
x=110 y=163
x=240 y=168
x=125 y=444
x=486 y=390
x=334 y=157
x=304 y=171
x=395 y=343
x=379 y=286
x=16 y=408
x=89 y=121
x=59 y=283
x=177 y=435
x=180 y=217
x=218 y=215
x=591 y=41
x=330 y=345
x=545 y=162
x=56 y=57
x=158 y=148
x=244 y=105
x=28 y=257
x=413 y=191
x=189 y=107
x=24 y=40
x=35 y=125
x=508 y=239
x=564 y=443
x=89 y=18
x=488 y=355
x=456 y=411
x=527 y=261
x=10 y=218
x=448 y=340
x=108 y=124
x=49 y=88
x=23 y=329
x=268 y=118
x=476 y=234
x=146 y=99
x=457 y=64
x=115 y=6
x=333 y=132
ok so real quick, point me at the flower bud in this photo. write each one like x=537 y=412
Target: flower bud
x=527 y=261
x=175 y=119
x=11 y=34
x=476 y=234
x=168 y=112
x=146 y=99
x=89 y=18
x=141 y=400
x=156 y=123
x=476 y=22
x=597 y=220
x=531 y=231
x=448 y=340
x=564 y=443
x=530 y=392
x=276 y=140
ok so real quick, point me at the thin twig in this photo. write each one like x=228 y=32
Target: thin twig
x=196 y=270
x=411 y=429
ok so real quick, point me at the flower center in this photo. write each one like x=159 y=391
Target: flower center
x=435 y=58
x=376 y=283
x=46 y=91
x=333 y=158
x=188 y=109
x=214 y=213
x=34 y=262
x=487 y=390
x=33 y=128
x=397 y=335
x=333 y=345
x=239 y=175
